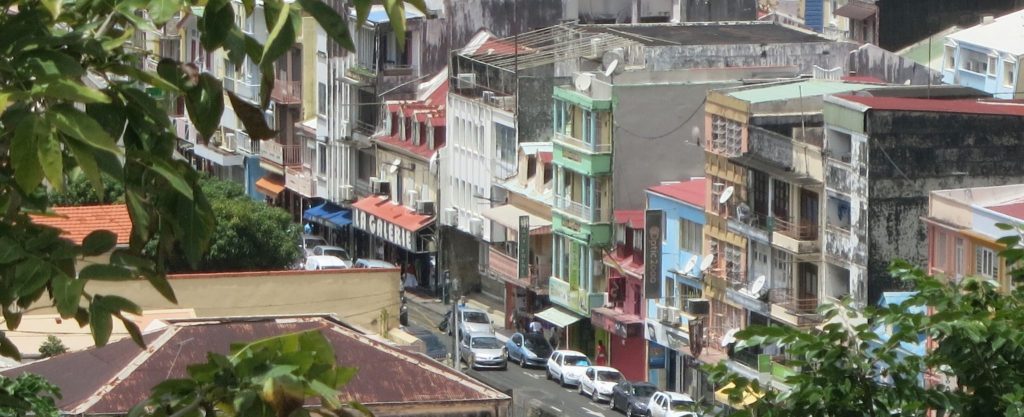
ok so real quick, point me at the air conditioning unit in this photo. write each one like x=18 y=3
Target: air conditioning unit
x=487 y=96
x=465 y=81
x=668 y=314
x=425 y=208
x=345 y=193
x=450 y=217
x=413 y=194
x=380 y=187
x=476 y=227
x=698 y=307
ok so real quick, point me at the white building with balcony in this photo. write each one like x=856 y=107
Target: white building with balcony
x=987 y=56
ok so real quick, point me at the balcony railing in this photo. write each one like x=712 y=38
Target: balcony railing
x=592 y=147
x=287 y=92
x=800 y=230
x=284 y=155
x=590 y=214
x=505 y=266
x=784 y=297
x=391 y=69
x=243 y=88
x=364 y=127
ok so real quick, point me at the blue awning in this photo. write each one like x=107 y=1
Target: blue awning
x=324 y=212
x=340 y=219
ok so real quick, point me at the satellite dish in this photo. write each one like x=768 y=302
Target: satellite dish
x=611 y=68
x=729 y=337
x=690 y=264
x=394 y=165
x=706 y=262
x=757 y=287
x=726 y=194
x=582 y=81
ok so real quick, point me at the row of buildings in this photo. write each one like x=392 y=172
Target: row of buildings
x=522 y=158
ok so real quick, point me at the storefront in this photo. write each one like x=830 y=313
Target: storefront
x=330 y=222
x=519 y=255
x=623 y=337
x=674 y=358
x=566 y=326
x=394 y=233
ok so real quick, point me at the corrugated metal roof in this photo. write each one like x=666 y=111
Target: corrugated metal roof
x=990 y=107
x=791 y=90
x=89 y=379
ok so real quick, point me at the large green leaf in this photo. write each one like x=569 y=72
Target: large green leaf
x=252 y=118
x=46 y=64
x=116 y=303
x=281 y=37
x=64 y=89
x=29 y=275
x=10 y=250
x=205 y=104
x=161 y=11
x=72 y=122
x=67 y=292
x=332 y=23
x=98 y=242
x=160 y=283
x=101 y=321
x=51 y=159
x=28 y=172
x=396 y=17
x=105 y=272
x=87 y=162
x=217 y=21
x=173 y=176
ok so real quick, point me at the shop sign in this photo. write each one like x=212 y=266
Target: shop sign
x=669 y=337
x=524 y=246
x=652 y=253
x=558 y=291
x=383 y=229
x=570 y=155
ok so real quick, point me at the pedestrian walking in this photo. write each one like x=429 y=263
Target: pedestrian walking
x=601 y=357
x=536 y=327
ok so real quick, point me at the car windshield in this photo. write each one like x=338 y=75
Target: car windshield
x=574 y=360
x=336 y=252
x=310 y=243
x=485 y=343
x=474 y=317
x=682 y=405
x=536 y=343
x=609 y=376
x=644 y=391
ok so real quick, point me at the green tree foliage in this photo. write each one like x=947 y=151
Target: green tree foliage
x=852 y=368
x=73 y=96
x=52 y=347
x=27 y=393
x=79 y=192
x=249 y=236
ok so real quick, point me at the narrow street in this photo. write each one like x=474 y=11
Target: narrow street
x=532 y=394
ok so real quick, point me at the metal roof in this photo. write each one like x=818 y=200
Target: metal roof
x=791 y=90
x=1004 y=34
x=112 y=379
x=708 y=33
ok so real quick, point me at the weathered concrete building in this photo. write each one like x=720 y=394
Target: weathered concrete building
x=885 y=154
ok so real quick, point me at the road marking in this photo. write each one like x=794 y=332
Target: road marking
x=559 y=410
x=592 y=412
x=534 y=376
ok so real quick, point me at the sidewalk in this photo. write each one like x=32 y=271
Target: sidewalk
x=477 y=301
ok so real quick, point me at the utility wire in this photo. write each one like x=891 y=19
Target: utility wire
x=700 y=107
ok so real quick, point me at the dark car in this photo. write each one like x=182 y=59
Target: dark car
x=528 y=349
x=434 y=348
x=632 y=397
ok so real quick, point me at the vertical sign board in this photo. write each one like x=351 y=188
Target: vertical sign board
x=524 y=246
x=652 y=253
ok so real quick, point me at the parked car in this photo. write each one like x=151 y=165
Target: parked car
x=483 y=350
x=528 y=349
x=598 y=381
x=670 y=404
x=322 y=262
x=632 y=397
x=373 y=263
x=475 y=321
x=431 y=343
x=567 y=366
x=332 y=251
x=309 y=242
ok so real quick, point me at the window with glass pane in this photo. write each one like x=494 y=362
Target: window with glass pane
x=986 y=263
x=322 y=158
x=588 y=125
x=689 y=236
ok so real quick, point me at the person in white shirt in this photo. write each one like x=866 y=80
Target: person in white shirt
x=409 y=280
x=536 y=327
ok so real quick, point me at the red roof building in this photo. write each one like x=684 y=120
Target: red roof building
x=75 y=223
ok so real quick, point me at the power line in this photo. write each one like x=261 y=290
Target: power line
x=700 y=107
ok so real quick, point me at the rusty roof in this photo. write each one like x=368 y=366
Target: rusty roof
x=75 y=223
x=112 y=379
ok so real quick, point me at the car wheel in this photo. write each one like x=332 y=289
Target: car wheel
x=593 y=396
x=561 y=380
x=522 y=361
x=611 y=404
x=629 y=411
x=579 y=389
x=547 y=373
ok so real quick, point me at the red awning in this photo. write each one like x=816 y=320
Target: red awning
x=399 y=215
x=622 y=324
x=269 y=186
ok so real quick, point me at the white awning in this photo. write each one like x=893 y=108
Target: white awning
x=508 y=216
x=556 y=316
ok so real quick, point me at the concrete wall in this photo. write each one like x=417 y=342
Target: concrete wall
x=902 y=22
x=663 y=145
x=357 y=296
x=929 y=151
x=804 y=56
x=461 y=256
x=872 y=61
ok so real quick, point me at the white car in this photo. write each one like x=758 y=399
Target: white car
x=567 y=366
x=322 y=262
x=598 y=382
x=670 y=404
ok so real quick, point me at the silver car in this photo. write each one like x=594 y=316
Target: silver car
x=472 y=321
x=483 y=350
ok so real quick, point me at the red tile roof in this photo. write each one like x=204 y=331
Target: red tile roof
x=393 y=141
x=1015 y=210
x=690 y=191
x=632 y=218
x=546 y=157
x=987 y=106
x=398 y=214
x=75 y=223
x=91 y=384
